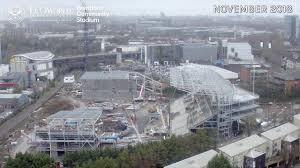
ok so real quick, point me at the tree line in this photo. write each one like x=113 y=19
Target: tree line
x=148 y=155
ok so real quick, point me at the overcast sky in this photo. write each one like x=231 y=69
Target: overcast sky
x=147 y=7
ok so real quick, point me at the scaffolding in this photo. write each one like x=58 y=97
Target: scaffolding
x=210 y=92
x=69 y=131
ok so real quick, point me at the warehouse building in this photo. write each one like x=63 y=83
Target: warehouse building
x=108 y=86
x=250 y=147
x=197 y=161
x=38 y=65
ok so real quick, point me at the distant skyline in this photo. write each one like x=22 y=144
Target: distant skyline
x=147 y=7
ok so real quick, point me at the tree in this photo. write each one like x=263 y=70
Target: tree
x=219 y=161
x=148 y=155
x=101 y=163
x=29 y=160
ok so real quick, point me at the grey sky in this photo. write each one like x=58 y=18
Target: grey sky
x=147 y=7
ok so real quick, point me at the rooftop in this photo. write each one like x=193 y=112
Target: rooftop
x=294 y=75
x=280 y=131
x=93 y=75
x=241 y=95
x=197 y=161
x=37 y=56
x=78 y=114
x=254 y=154
x=10 y=96
x=243 y=145
x=226 y=74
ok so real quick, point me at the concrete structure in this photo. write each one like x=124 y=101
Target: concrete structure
x=108 y=86
x=211 y=101
x=68 y=131
x=13 y=102
x=237 y=151
x=38 y=65
x=197 y=161
x=276 y=135
x=200 y=53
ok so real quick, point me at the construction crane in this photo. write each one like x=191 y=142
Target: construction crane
x=86 y=34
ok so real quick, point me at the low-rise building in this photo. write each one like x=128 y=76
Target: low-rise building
x=288 y=82
x=198 y=161
x=276 y=135
x=237 y=151
x=250 y=72
x=283 y=144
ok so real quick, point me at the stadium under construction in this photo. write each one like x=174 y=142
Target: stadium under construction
x=211 y=101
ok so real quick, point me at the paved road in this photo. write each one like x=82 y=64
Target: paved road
x=12 y=123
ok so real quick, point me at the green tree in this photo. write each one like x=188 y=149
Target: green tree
x=101 y=163
x=219 y=161
x=30 y=161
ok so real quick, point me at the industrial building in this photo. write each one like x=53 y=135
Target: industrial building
x=211 y=101
x=163 y=54
x=108 y=86
x=197 y=161
x=38 y=65
x=237 y=151
x=116 y=86
x=68 y=131
x=200 y=53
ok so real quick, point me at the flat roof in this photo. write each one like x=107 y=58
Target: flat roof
x=241 y=95
x=226 y=74
x=254 y=154
x=297 y=117
x=198 y=161
x=10 y=96
x=37 y=56
x=93 y=75
x=281 y=131
x=78 y=114
x=243 y=145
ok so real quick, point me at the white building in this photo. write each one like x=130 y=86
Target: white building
x=236 y=151
x=239 y=50
x=276 y=135
x=198 y=161
x=37 y=64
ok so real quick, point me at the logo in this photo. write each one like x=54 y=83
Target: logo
x=16 y=15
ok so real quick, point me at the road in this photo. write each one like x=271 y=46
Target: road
x=13 y=122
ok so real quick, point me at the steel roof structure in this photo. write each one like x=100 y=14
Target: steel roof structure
x=195 y=78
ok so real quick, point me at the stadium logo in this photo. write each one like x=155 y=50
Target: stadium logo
x=16 y=15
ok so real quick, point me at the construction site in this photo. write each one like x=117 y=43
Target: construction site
x=117 y=108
